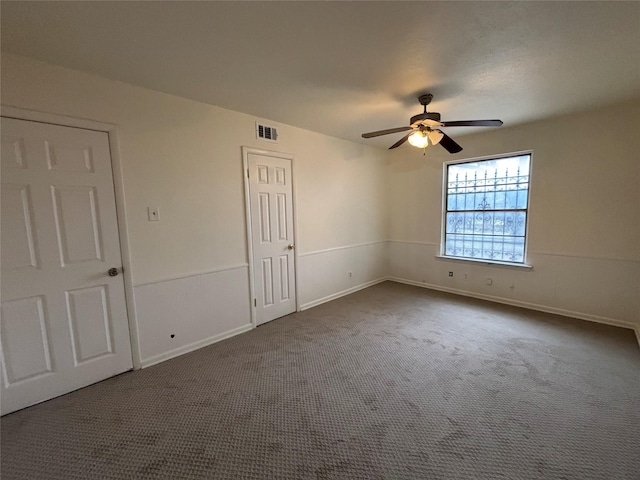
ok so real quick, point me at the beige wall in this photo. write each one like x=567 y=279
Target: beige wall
x=185 y=157
x=584 y=225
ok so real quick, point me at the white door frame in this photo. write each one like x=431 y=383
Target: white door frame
x=116 y=165
x=247 y=209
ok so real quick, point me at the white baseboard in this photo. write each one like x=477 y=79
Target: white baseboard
x=344 y=247
x=543 y=308
x=342 y=293
x=531 y=306
x=194 y=346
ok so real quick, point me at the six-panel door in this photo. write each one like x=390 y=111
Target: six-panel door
x=272 y=236
x=64 y=321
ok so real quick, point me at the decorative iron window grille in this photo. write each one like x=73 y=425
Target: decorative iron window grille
x=486 y=209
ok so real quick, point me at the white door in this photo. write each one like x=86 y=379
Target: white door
x=272 y=236
x=64 y=321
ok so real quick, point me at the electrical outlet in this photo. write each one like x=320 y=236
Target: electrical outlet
x=451 y=274
x=466 y=276
x=489 y=281
x=350 y=274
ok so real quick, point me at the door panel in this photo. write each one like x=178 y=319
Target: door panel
x=23 y=323
x=76 y=224
x=13 y=152
x=281 y=220
x=89 y=323
x=18 y=249
x=267 y=279
x=69 y=157
x=64 y=321
x=284 y=278
x=265 y=221
x=270 y=191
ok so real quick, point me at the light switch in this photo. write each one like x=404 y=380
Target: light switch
x=154 y=214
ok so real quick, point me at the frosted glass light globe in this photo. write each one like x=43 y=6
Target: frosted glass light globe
x=419 y=139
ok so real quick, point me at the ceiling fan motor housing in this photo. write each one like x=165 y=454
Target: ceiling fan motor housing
x=418 y=119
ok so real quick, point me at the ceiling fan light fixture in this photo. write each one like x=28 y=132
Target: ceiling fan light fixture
x=424 y=129
x=435 y=136
x=419 y=139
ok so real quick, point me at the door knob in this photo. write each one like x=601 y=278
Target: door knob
x=113 y=272
x=291 y=247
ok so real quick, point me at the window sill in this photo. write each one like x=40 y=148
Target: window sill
x=485 y=262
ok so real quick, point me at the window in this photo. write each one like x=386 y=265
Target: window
x=486 y=209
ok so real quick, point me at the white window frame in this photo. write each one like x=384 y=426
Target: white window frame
x=443 y=226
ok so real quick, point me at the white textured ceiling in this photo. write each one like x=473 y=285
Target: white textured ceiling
x=344 y=68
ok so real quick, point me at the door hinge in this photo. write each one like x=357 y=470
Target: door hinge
x=247 y=173
x=255 y=302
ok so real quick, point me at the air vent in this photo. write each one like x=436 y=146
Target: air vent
x=266 y=132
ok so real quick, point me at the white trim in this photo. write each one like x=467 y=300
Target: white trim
x=527 y=229
x=530 y=252
x=197 y=274
x=333 y=249
x=443 y=207
x=268 y=153
x=516 y=303
x=495 y=156
x=587 y=257
x=415 y=242
x=247 y=220
x=484 y=261
x=54 y=119
x=125 y=250
x=195 y=346
x=296 y=237
x=247 y=209
x=342 y=293
x=118 y=184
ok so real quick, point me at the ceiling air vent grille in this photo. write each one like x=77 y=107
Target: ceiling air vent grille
x=266 y=132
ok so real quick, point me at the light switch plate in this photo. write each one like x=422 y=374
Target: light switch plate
x=154 y=214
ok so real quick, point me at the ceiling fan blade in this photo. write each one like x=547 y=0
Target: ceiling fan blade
x=473 y=123
x=386 y=132
x=449 y=144
x=401 y=141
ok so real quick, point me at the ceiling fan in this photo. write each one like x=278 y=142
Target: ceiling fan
x=423 y=129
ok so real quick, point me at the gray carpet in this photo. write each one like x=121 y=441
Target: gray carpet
x=390 y=382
